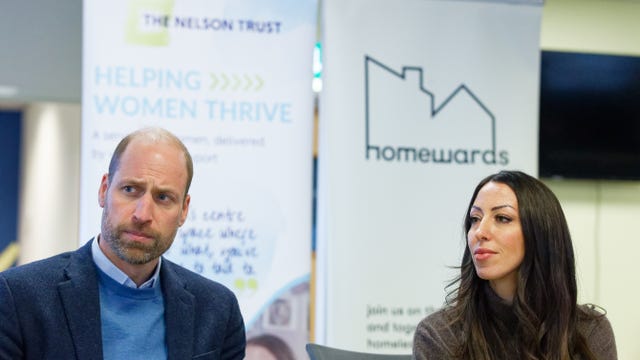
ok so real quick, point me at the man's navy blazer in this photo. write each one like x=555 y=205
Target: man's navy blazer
x=50 y=309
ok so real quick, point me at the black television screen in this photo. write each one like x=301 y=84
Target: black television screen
x=589 y=116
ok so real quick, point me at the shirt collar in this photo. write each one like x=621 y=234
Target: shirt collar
x=103 y=263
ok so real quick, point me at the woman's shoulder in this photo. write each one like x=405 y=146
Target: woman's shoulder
x=591 y=316
x=439 y=318
x=594 y=325
x=593 y=319
x=437 y=336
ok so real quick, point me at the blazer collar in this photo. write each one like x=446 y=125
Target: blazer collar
x=179 y=313
x=81 y=303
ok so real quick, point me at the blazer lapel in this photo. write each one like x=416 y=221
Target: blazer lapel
x=179 y=314
x=81 y=304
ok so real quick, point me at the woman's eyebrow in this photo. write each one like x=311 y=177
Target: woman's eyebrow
x=502 y=206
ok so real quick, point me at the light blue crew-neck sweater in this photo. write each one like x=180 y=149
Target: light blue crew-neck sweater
x=133 y=324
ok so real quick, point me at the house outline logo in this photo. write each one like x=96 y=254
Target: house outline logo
x=424 y=153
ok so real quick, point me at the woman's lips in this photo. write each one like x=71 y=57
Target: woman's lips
x=483 y=254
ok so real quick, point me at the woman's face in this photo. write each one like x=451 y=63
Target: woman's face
x=495 y=238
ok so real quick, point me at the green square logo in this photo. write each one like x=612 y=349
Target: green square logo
x=148 y=22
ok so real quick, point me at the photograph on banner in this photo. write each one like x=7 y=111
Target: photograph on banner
x=420 y=100
x=281 y=330
x=232 y=79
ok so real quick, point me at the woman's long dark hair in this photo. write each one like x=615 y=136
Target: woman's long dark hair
x=545 y=302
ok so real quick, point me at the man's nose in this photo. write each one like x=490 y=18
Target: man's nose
x=144 y=209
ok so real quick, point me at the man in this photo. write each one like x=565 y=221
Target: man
x=116 y=297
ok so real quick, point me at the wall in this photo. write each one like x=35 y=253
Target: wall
x=41 y=44
x=50 y=180
x=601 y=26
x=601 y=214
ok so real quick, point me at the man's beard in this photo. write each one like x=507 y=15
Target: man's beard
x=134 y=253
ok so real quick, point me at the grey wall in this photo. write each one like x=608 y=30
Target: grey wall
x=41 y=49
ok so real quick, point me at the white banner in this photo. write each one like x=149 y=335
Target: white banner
x=421 y=99
x=233 y=80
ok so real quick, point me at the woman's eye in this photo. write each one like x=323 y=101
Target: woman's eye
x=474 y=219
x=503 y=219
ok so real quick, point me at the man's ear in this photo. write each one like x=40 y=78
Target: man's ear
x=102 y=191
x=185 y=209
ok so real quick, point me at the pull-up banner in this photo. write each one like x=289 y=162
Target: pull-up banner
x=421 y=99
x=233 y=80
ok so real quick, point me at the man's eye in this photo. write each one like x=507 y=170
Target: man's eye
x=127 y=188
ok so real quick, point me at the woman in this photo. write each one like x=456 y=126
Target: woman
x=516 y=296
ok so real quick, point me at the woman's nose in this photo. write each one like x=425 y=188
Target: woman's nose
x=483 y=229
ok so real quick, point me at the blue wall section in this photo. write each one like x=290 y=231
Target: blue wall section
x=10 y=135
